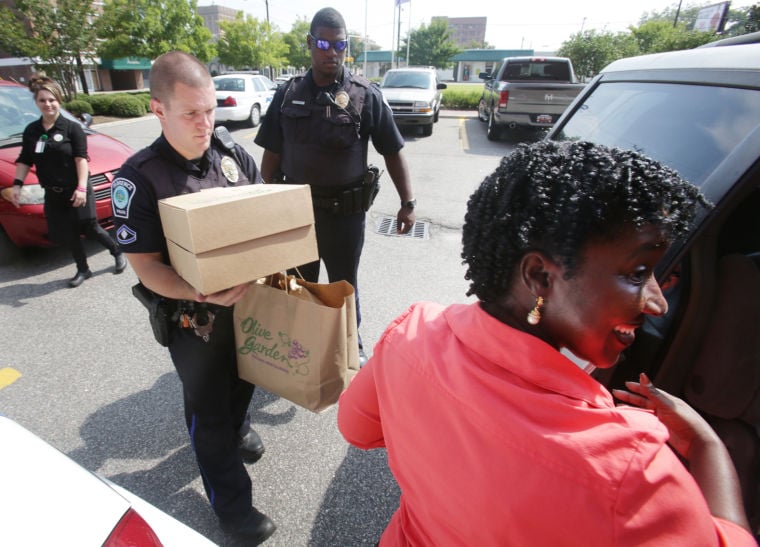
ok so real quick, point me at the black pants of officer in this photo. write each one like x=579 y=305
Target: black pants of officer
x=66 y=225
x=340 y=239
x=216 y=406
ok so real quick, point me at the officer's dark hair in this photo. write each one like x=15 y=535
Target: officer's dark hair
x=328 y=18
x=558 y=197
x=176 y=67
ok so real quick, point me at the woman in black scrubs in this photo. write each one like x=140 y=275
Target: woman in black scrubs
x=58 y=148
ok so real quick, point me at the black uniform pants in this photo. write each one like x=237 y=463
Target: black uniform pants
x=66 y=225
x=216 y=406
x=340 y=239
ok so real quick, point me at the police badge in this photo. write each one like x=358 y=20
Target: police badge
x=341 y=99
x=230 y=169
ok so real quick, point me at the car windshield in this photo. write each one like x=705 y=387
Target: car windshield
x=229 y=84
x=419 y=80
x=17 y=109
x=541 y=71
x=657 y=120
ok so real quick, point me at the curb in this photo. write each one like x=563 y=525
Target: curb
x=461 y=114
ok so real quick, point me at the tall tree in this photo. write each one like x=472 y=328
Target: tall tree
x=590 y=50
x=148 y=28
x=61 y=35
x=430 y=45
x=247 y=42
x=660 y=36
x=298 y=56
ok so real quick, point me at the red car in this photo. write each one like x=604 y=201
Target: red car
x=26 y=226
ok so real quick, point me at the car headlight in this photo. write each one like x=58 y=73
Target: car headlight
x=31 y=194
x=422 y=106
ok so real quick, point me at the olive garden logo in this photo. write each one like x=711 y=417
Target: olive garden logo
x=274 y=350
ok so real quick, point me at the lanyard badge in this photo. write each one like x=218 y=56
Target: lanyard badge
x=40 y=148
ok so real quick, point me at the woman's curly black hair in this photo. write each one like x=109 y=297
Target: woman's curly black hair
x=557 y=197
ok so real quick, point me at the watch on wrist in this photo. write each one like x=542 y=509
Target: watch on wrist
x=411 y=204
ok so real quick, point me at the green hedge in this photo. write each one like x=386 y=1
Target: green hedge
x=127 y=107
x=458 y=96
x=123 y=105
x=78 y=106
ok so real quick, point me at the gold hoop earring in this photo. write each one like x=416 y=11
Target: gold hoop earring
x=534 y=315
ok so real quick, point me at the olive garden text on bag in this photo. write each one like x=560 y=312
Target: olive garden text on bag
x=298 y=339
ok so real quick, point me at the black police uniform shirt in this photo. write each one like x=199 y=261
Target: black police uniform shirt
x=54 y=160
x=375 y=121
x=159 y=172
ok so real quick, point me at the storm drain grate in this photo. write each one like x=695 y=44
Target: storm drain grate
x=387 y=226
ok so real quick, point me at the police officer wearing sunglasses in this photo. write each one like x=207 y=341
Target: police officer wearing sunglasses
x=316 y=132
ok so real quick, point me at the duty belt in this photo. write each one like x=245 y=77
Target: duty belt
x=339 y=200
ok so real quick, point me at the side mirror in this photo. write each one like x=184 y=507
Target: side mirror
x=484 y=75
x=442 y=86
x=86 y=119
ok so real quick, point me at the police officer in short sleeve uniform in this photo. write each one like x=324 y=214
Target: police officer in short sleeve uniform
x=316 y=131
x=185 y=159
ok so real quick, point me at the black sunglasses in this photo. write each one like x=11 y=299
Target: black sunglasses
x=324 y=45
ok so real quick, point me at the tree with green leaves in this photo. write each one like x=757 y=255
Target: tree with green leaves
x=430 y=45
x=590 y=50
x=660 y=36
x=298 y=56
x=148 y=28
x=247 y=42
x=60 y=35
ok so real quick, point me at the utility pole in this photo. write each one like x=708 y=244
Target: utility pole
x=678 y=11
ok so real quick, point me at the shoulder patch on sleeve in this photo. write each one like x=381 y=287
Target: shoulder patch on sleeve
x=122 y=192
x=125 y=235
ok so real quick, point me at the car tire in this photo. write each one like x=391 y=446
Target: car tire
x=482 y=116
x=435 y=116
x=9 y=252
x=255 y=118
x=427 y=130
x=493 y=132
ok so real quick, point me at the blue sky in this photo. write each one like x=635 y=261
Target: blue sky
x=539 y=25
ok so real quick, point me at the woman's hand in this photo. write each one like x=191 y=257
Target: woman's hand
x=79 y=198
x=685 y=425
x=16 y=195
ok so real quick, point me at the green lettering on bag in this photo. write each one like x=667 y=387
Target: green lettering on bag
x=260 y=343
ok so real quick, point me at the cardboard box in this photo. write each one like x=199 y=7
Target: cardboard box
x=222 y=237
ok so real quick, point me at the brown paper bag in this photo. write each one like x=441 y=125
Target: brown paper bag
x=298 y=339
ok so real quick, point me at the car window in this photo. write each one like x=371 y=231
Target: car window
x=229 y=84
x=17 y=110
x=421 y=80
x=657 y=120
x=537 y=71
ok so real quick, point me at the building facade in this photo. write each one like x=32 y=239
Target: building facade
x=466 y=32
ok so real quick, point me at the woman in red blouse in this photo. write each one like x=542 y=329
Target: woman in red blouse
x=497 y=438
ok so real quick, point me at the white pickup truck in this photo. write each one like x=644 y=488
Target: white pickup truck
x=528 y=92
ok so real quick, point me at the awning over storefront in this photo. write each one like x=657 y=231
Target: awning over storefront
x=126 y=63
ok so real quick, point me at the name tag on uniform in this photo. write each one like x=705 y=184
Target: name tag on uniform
x=40 y=148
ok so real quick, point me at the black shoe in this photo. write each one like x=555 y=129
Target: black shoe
x=121 y=263
x=362 y=358
x=256 y=527
x=79 y=278
x=251 y=446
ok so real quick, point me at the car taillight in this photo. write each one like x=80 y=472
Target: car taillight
x=503 y=99
x=132 y=531
x=229 y=101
